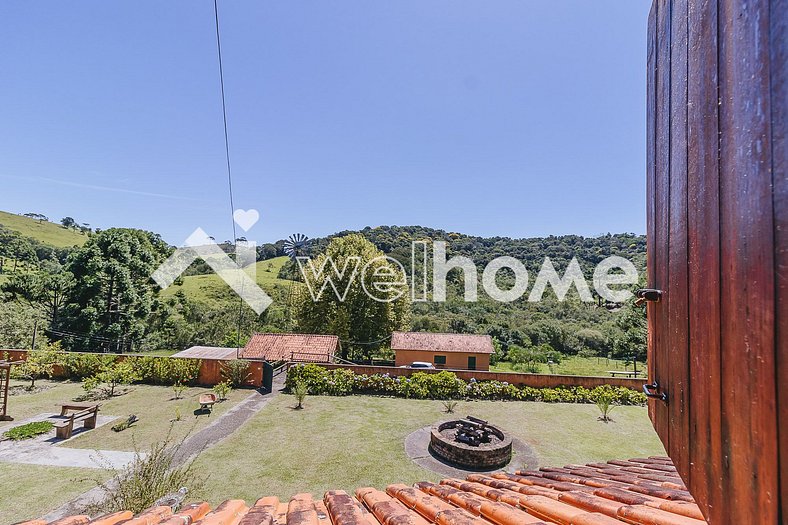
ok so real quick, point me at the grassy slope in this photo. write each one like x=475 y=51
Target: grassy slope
x=349 y=442
x=46 y=232
x=211 y=290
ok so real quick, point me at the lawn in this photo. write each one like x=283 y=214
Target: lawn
x=20 y=485
x=576 y=366
x=46 y=232
x=154 y=405
x=30 y=491
x=334 y=443
x=348 y=442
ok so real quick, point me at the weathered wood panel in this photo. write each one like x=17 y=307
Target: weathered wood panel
x=779 y=121
x=749 y=420
x=661 y=216
x=678 y=387
x=651 y=144
x=703 y=218
x=717 y=245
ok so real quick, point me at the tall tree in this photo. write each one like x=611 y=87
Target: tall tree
x=363 y=306
x=113 y=292
x=47 y=291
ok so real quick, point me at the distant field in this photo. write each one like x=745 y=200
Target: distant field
x=211 y=290
x=576 y=366
x=46 y=232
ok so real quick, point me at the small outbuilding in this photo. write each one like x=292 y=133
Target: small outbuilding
x=307 y=348
x=220 y=353
x=455 y=351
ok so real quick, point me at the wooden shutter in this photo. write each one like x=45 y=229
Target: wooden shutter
x=718 y=247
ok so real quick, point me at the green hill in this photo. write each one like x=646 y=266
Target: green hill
x=43 y=231
x=210 y=290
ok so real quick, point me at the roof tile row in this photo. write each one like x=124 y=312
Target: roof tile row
x=643 y=491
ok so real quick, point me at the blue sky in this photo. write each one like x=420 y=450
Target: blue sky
x=513 y=118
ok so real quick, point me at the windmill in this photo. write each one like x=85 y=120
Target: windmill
x=297 y=245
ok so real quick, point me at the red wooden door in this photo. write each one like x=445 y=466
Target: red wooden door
x=717 y=247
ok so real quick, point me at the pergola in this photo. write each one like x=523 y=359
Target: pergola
x=5 y=375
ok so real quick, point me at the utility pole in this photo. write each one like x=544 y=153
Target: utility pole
x=35 y=332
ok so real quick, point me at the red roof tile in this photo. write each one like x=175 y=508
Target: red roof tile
x=431 y=342
x=595 y=494
x=311 y=348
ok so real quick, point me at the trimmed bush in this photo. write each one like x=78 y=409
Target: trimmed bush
x=446 y=385
x=29 y=430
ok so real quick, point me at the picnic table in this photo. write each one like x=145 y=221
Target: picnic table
x=73 y=413
x=626 y=373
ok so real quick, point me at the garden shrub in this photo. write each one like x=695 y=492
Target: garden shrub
x=236 y=372
x=147 y=369
x=108 y=380
x=446 y=385
x=29 y=430
x=82 y=365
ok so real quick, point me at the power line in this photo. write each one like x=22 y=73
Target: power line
x=227 y=158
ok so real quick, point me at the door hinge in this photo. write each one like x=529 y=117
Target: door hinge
x=652 y=391
x=648 y=294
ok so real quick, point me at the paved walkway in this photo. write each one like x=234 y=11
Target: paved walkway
x=222 y=427
x=46 y=449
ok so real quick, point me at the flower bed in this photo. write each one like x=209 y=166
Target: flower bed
x=446 y=385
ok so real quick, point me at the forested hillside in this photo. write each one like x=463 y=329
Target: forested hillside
x=92 y=290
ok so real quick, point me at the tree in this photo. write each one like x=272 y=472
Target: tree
x=40 y=217
x=630 y=338
x=47 y=291
x=17 y=323
x=113 y=293
x=68 y=222
x=529 y=358
x=39 y=364
x=111 y=377
x=363 y=314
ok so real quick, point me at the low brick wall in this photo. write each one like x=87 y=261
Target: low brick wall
x=532 y=380
x=210 y=369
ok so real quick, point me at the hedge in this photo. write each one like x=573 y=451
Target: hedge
x=446 y=385
x=151 y=370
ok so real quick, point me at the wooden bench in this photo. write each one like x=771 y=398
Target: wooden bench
x=614 y=373
x=75 y=413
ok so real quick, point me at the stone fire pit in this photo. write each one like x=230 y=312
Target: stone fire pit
x=471 y=443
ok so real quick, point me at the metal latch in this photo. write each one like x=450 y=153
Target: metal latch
x=648 y=294
x=652 y=391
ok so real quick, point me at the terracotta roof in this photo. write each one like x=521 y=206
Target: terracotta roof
x=479 y=344
x=639 y=492
x=207 y=352
x=291 y=347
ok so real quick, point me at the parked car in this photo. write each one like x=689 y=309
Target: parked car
x=419 y=364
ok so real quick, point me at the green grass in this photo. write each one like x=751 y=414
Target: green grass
x=211 y=290
x=576 y=366
x=349 y=442
x=154 y=405
x=333 y=443
x=46 y=232
x=30 y=491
